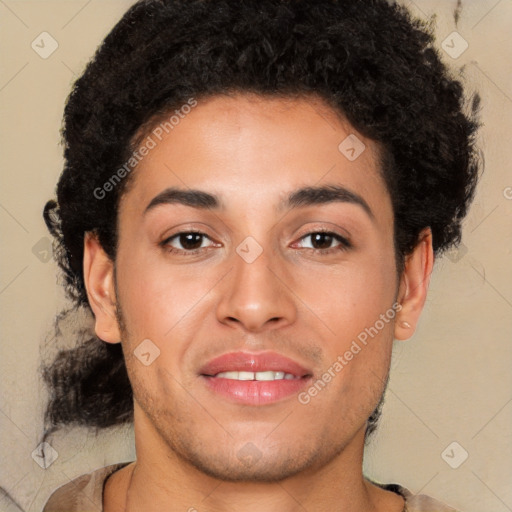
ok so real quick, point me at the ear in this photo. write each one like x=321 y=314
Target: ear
x=414 y=285
x=99 y=282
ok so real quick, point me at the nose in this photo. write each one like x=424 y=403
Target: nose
x=256 y=296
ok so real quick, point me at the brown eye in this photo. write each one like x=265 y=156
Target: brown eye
x=185 y=242
x=322 y=242
x=190 y=240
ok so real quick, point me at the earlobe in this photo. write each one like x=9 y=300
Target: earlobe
x=414 y=285
x=98 y=271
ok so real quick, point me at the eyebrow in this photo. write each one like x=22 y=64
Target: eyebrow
x=194 y=198
x=309 y=196
x=302 y=197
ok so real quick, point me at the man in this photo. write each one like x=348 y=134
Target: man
x=251 y=203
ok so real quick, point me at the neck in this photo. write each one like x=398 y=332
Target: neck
x=163 y=481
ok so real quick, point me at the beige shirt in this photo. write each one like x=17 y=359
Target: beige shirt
x=85 y=494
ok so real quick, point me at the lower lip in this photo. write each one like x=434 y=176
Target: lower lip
x=254 y=392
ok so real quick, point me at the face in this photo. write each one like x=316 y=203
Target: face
x=261 y=268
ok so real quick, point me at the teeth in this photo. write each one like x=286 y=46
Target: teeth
x=256 y=375
x=265 y=376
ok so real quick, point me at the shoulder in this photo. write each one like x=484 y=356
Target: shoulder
x=83 y=494
x=418 y=502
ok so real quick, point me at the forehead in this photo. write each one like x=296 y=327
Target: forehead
x=252 y=150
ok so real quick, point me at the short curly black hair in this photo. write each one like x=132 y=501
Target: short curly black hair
x=369 y=60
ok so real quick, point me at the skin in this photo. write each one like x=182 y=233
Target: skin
x=305 y=305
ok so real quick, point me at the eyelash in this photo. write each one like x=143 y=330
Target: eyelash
x=344 y=243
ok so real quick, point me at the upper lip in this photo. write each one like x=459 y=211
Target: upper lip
x=252 y=362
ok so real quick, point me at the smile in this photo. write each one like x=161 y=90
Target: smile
x=260 y=376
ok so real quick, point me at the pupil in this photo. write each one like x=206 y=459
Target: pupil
x=187 y=240
x=319 y=237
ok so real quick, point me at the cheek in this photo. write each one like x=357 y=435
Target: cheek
x=351 y=297
x=357 y=303
x=159 y=298
x=374 y=294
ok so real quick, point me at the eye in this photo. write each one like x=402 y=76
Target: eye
x=189 y=242
x=193 y=242
x=321 y=242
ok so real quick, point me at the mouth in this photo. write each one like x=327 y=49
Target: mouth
x=254 y=379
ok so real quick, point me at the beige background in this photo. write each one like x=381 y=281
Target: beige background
x=451 y=382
